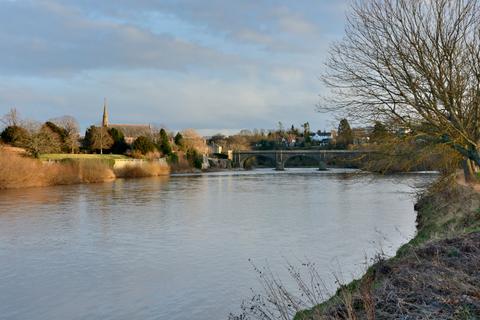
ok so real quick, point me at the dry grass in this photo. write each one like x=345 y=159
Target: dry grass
x=150 y=169
x=17 y=171
x=9 y=149
x=93 y=171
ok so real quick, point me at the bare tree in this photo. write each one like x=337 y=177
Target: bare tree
x=101 y=139
x=11 y=118
x=193 y=140
x=72 y=129
x=412 y=63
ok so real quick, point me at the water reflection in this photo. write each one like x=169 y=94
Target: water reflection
x=178 y=247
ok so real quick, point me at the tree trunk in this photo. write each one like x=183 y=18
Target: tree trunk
x=469 y=170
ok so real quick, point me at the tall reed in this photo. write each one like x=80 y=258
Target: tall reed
x=148 y=169
x=17 y=171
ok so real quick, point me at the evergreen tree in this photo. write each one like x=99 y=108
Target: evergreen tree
x=143 y=145
x=119 y=145
x=14 y=135
x=179 y=139
x=345 y=134
x=164 y=144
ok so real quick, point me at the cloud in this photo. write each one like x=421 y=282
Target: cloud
x=295 y=23
x=45 y=37
x=183 y=63
x=258 y=21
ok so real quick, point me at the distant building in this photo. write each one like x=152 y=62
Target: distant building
x=215 y=148
x=323 y=137
x=361 y=135
x=130 y=131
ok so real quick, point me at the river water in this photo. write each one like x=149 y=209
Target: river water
x=178 y=247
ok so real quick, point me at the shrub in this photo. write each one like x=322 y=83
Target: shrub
x=149 y=169
x=43 y=141
x=143 y=145
x=195 y=158
x=172 y=158
x=14 y=135
x=154 y=155
x=91 y=171
x=181 y=165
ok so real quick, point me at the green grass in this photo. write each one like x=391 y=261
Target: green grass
x=64 y=156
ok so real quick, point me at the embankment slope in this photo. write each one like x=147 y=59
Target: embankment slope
x=435 y=276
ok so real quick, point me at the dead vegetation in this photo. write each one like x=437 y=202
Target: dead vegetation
x=182 y=165
x=151 y=169
x=439 y=280
x=435 y=276
x=17 y=171
x=404 y=154
x=20 y=171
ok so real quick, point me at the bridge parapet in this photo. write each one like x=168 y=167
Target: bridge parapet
x=280 y=157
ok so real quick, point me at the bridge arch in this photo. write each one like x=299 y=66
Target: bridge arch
x=243 y=161
x=313 y=160
x=317 y=157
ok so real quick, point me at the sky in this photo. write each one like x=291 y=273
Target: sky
x=213 y=65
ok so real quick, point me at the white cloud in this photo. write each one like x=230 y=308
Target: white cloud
x=237 y=64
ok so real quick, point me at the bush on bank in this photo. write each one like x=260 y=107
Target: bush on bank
x=151 y=169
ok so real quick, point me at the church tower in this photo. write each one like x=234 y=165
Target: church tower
x=105 y=114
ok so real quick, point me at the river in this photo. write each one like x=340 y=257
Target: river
x=178 y=247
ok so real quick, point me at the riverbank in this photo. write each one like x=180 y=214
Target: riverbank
x=18 y=171
x=434 y=276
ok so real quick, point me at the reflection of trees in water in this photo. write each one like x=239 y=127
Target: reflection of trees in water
x=22 y=198
x=124 y=192
x=105 y=202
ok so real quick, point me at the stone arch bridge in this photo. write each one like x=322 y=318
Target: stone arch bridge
x=280 y=157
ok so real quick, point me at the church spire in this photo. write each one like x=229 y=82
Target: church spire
x=105 y=114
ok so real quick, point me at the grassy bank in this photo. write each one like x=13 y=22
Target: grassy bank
x=434 y=276
x=17 y=171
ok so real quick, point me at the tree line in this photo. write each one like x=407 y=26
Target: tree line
x=62 y=135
